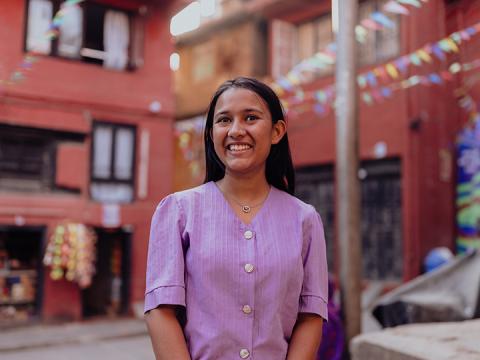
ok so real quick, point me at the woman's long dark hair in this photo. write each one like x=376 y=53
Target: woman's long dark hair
x=279 y=168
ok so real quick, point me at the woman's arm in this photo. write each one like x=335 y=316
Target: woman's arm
x=166 y=334
x=306 y=337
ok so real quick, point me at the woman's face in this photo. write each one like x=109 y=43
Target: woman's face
x=243 y=131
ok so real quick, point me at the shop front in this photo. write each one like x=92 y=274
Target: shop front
x=21 y=274
x=108 y=292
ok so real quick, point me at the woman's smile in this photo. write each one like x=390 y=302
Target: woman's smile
x=239 y=148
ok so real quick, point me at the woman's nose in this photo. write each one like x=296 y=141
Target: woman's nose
x=237 y=129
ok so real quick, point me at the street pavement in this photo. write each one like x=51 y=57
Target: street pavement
x=119 y=339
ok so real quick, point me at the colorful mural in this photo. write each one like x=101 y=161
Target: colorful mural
x=468 y=187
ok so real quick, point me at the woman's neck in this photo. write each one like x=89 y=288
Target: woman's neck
x=245 y=189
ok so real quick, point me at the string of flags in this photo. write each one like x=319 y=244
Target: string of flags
x=377 y=78
x=434 y=78
x=376 y=21
x=31 y=57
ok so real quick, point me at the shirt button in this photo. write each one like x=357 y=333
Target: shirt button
x=248 y=234
x=246 y=309
x=244 y=353
x=249 y=268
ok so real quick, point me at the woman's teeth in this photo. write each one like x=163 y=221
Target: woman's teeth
x=238 y=147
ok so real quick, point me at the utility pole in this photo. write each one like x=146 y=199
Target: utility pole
x=347 y=161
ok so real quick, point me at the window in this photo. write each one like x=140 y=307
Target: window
x=26 y=160
x=293 y=43
x=88 y=31
x=113 y=153
x=380 y=45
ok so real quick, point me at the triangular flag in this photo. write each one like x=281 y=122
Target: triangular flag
x=465 y=35
x=381 y=73
x=471 y=31
x=319 y=109
x=382 y=19
x=455 y=68
x=452 y=45
x=372 y=80
x=321 y=96
x=377 y=95
x=367 y=98
x=370 y=24
x=446 y=75
x=414 y=80
x=435 y=78
x=444 y=45
x=394 y=7
x=438 y=52
x=424 y=56
x=361 y=33
x=456 y=37
x=415 y=59
x=362 y=81
x=392 y=70
x=402 y=63
x=411 y=2
x=386 y=91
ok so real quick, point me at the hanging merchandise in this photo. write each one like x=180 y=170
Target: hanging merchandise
x=71 y=253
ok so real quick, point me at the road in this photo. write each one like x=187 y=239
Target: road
x=129 y=348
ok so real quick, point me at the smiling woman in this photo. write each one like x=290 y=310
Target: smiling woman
x=248 y=277
x=243 y=132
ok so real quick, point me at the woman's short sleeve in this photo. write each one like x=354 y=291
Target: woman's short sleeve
x=165 y=283
x=314 y=295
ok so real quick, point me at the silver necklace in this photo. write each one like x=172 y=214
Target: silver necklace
x=247 y=208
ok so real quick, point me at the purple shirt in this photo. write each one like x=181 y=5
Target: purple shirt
x=243 y=285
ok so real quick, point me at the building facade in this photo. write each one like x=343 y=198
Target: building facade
x=407 y=140
x=86 y=111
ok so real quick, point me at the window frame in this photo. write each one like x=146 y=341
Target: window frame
x=316 y=19
x=111 y=179
x=54 y=52
x=50 y=140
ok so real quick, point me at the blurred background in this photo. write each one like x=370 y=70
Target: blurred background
x=102 y=105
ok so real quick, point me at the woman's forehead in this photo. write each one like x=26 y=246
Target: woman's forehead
x=235 y=99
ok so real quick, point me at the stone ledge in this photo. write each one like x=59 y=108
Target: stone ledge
x=439 y=341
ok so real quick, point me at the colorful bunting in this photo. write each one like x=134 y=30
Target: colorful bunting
x=382 y=19
x=395 y=8
x=376 y=21
x=415 y=3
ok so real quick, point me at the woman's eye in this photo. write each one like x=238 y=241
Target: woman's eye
x=251 y=117
x=222 y=120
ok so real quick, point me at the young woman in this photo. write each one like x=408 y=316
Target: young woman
x=237 y=267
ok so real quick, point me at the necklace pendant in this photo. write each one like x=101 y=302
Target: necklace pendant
x=246 y=209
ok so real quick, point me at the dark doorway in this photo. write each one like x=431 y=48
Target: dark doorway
x=108 y=294
x=21 y=273
x=315 y=186
x=381 y=218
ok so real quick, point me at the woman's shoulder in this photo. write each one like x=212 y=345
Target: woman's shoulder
x=189 y=196
x=292 y=203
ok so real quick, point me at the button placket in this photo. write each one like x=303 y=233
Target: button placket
x=247 y=239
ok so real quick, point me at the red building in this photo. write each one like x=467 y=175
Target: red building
x=85 y=138
x=407 y=139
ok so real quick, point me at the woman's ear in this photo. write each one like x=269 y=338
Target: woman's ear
x=279 y=129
